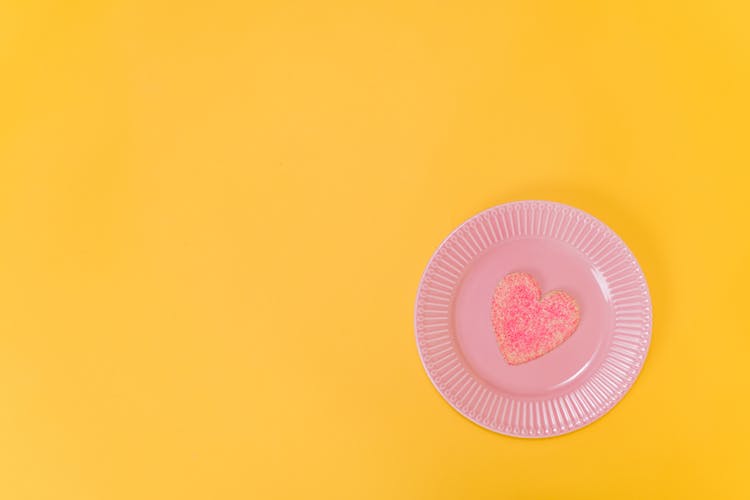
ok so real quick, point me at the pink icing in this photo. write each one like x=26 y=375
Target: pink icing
x=528 y=325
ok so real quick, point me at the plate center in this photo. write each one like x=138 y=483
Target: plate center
x=554 y=265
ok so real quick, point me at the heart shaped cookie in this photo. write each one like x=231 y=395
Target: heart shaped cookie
x=528 y=325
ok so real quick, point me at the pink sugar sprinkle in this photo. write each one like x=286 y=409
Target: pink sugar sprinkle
x=528 y=325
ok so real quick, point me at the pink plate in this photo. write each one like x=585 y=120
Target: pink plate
x=578 y=381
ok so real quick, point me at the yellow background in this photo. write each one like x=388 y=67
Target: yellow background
x=215 y=215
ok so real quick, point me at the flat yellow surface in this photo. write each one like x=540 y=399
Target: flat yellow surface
x=215 y=215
